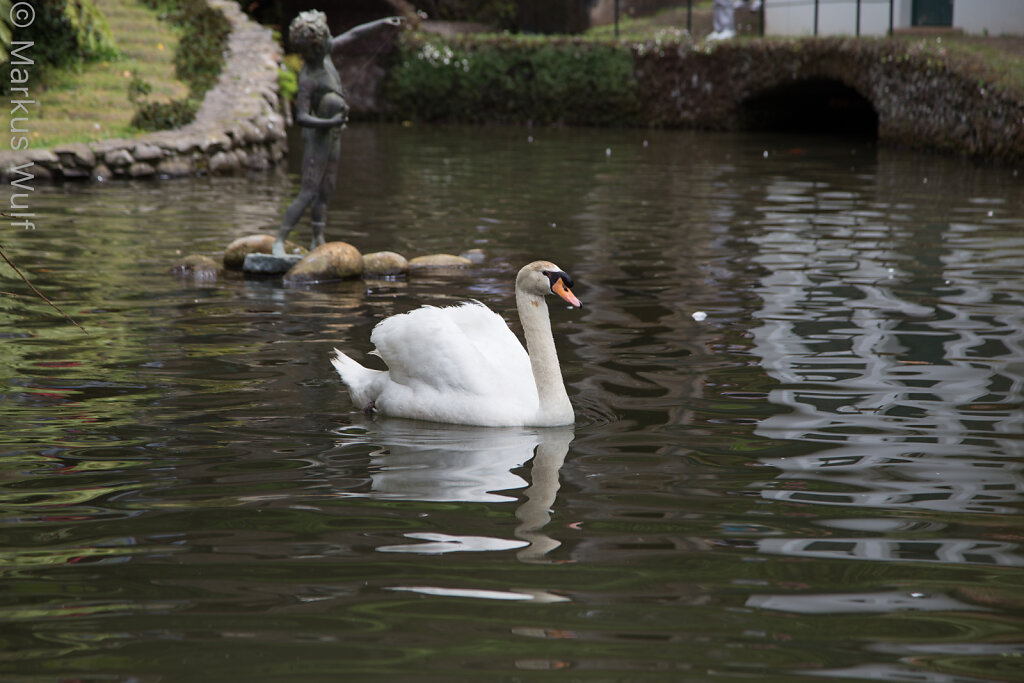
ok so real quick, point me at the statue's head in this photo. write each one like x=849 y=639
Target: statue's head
x=309 y=34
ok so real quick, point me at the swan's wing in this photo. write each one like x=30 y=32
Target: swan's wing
x=464 y=349
x=492 y=338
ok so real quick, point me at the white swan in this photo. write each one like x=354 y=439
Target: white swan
x=462 y=364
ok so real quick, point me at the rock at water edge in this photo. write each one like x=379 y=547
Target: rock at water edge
x=268 y=264
x=234 y=255
x=382 y=263
x=331 y=261
x=199 y=266
x=439 y=261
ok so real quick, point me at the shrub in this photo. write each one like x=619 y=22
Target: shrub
x=512 y=79
x=288 y=77
x=158 y=115
x=63 y=33
x=164 y=115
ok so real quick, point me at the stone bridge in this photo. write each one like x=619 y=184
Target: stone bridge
x=907 y=93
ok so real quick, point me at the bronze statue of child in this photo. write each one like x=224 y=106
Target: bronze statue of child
x=322 y=112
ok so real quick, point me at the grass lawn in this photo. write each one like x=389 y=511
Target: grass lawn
x=90 y=102
x=997 y=59
x=642 y=28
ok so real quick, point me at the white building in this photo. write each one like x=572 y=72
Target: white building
x=874 y=17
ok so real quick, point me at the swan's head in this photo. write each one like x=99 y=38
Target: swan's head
x=541 y=278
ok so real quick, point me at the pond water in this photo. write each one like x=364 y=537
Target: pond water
x=798 y=377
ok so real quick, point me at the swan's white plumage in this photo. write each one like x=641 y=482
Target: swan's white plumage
x=462 y=364
x=467 y=348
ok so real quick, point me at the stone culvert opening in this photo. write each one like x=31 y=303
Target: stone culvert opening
x=822 y=106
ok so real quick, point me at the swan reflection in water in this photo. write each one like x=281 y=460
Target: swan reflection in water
x=451 y=463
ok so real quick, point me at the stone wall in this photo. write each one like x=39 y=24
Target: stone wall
x=925 y=97
x=239 y=126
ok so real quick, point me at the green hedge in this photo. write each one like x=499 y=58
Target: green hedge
x=512 y=79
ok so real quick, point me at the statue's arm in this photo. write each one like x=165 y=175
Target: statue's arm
x=363 y=30
x=304 y=115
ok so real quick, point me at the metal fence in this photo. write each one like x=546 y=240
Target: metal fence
x=817 y=4
x=814 y=5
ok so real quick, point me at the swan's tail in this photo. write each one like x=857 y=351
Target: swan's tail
x=363 y=384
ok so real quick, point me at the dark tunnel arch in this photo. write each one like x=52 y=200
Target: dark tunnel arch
x=819 y=105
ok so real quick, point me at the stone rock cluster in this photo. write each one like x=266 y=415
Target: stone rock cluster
x=239 y=126
x=328 y=262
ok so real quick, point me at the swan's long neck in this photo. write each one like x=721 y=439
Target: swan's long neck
x=554 y=402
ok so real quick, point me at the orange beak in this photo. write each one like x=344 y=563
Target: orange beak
x=561 y=290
